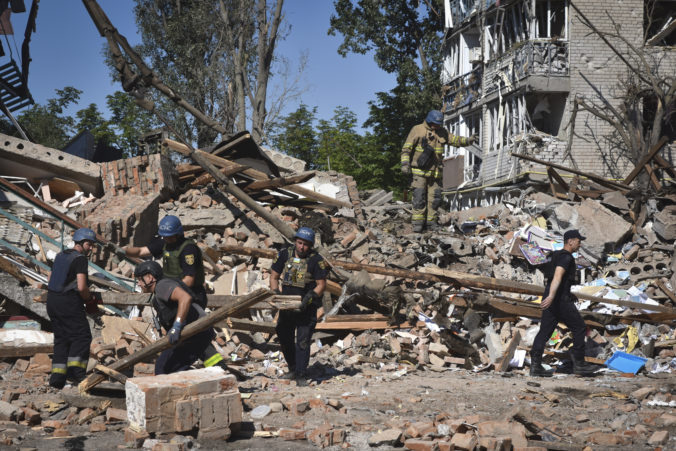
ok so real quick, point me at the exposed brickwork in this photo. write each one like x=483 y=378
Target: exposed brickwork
x=207 y=399
x=139 y=175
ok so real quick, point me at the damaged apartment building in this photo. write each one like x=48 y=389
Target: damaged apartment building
x=512 y=71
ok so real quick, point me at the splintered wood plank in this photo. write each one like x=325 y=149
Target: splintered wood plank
x=509 y=352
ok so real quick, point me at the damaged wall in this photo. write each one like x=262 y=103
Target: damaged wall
x=540 y=56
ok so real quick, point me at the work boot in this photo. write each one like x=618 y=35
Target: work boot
x=418 y=227
x=288 y=376
x=537 y=370
x=582 y=368
x=301 y=380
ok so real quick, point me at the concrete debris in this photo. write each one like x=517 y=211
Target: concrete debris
x=418 y=319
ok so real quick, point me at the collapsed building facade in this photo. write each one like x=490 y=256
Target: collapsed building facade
x=512 y=72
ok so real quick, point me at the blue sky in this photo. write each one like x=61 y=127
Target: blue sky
x=66 y=50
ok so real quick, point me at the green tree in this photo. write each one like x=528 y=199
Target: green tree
x=406 y=39
x=296 y=137
x=91 y=119
x=48 y=124
x=129 y=120
x=219 y=56
x=342 y=148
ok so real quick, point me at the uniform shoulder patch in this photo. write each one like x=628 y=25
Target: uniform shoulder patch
x=322 y=264
x=190 y=259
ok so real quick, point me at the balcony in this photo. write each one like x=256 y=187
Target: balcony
x=543 y=58
x=463 y=90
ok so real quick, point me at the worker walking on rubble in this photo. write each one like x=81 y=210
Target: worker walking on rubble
x=558 y=305
x=181 y=258
x=68 y=294
x=301 y=271
x=422 y=159
x=175 y=305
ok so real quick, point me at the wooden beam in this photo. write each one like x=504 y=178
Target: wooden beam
x=643 y=161
x=207 y=178
x=268 y=253
x=7 y=351
x=189 y=330
x=554 y=176
x=653 y=177
x=455 y=277
x=596 y=178
x=11 y=269
x=365 y=325
x=666 y=290
x=278 y=182
x=259 y=175
x=111 y=373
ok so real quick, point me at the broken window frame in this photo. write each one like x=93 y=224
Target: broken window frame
x=550 y=18
x=516 y=121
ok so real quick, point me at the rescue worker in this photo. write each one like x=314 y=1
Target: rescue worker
x=422 y=158
x=558 y=306
x=68 y=293
x=301 y=271
x=174 y=303
x=181 y=258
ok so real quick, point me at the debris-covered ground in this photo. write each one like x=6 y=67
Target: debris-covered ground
x=422 y=341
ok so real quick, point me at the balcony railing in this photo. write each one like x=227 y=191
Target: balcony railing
x=549 y=58
x=463 y=90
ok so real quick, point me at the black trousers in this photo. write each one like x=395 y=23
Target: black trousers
x=561 y=311
x=183 y=355
x=294 y=330
x=72 y=338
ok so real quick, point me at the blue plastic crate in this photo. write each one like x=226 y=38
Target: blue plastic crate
x=625 y=363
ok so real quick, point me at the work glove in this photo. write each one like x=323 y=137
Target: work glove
x=308 y=299
x=473 y=139
x=117 y=250
x=175 y=332
x=406 y=168
x=277 y=291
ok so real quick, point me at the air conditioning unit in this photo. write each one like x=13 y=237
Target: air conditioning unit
x=475 y=55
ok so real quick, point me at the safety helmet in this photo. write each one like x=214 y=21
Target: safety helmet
x=307 y=234
x=170 y=225
x=434 y=117
x=84 y=234
x=149 y=267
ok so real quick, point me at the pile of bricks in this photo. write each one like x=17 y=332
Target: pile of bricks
x=207 y=399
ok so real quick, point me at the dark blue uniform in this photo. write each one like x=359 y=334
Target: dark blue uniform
x=66 y=311
x=297 y=277
x=562 y=310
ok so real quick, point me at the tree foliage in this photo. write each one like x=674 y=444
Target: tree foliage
x=219 y=55
x=405 y=38
x=50 y=125
x=296 y=137
x=334 y=145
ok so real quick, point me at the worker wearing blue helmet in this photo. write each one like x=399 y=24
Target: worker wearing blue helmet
x=422 y=159
x=299 y=270
x=68 y=294
x=181 y=257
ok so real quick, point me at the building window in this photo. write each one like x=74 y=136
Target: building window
x=551 y=19
x=506 y=120
x=659 y=22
